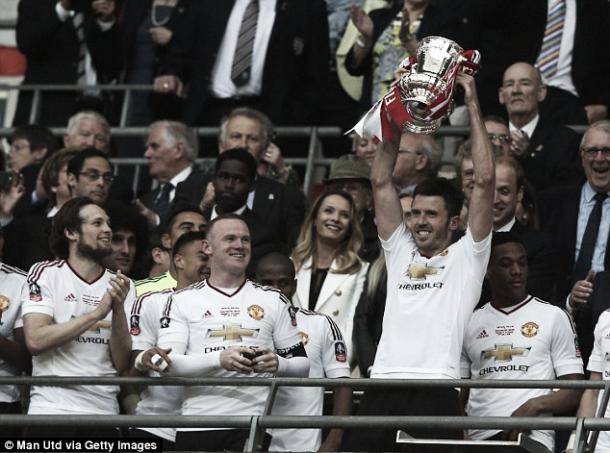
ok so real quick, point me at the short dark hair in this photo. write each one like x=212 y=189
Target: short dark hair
x=67 y=218
x=276 y=258
x=495 y=119
x=240 y=154
x=185 y=239
x=227 y=216
x=127 y=218
x=504 y=237
x=76 y=164
x=39 y=137
x=441 y=187
x=176 y=210
x=513 y=163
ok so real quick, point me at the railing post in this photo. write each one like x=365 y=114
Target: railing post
x=311 y=154
x=35 y=108
x=601 y=410
x=125 y=108
x=256 y=435
x=580 y=436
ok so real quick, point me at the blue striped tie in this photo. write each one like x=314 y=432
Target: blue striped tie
x=242 y=60
x=549 y=52
x=81 y=76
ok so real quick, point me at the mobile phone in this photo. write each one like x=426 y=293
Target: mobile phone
x=6 y=180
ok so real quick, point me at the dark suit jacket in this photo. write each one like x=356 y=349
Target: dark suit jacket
x=508 y=31
x=553 y=158
x=26 y=239
x=541 y=262
x=559 y=217
x=275 y=204
x=368 y=322
x=189 y=184
x=51 y=49
x=296 y=63
x=586 y=316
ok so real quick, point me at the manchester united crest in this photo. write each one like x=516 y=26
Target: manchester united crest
x=529 y=329
x=304 y=337
x=256 y=312
x=5 y=302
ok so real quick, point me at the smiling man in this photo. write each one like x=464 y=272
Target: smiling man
x=74 y=320
x=518 y=336
x=438 y=280
x=228 y=326
x=547 y=151
x=578 y=217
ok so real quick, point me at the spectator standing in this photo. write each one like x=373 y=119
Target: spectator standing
x=330 y=275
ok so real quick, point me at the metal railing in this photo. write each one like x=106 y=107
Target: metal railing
x=313 y=133
x=258 y=423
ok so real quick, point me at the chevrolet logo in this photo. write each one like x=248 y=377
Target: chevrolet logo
x=232 y=332
x=98 y=326
x=504 y=352
x=419 y=271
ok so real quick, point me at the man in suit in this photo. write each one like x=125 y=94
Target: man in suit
x=171 y=150
x=507 y=31
x=66 y=45
x=578 y=217
x=251 y=130
x=419 y=157
x=541 y=255
x=548 y=151
x=283 y=75
x=234 y=176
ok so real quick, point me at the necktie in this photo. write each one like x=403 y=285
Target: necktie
x=162 y=201
x=242 y=60
x=551 y=42
x=77 y=20
x=583 y=263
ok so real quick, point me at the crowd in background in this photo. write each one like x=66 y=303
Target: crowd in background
x=249 y=65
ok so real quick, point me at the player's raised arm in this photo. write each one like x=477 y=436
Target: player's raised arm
x=480 y=212
x=387 y=205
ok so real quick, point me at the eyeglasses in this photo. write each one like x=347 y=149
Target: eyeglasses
x=95 y=175
x=591 y=153
x=502 y=138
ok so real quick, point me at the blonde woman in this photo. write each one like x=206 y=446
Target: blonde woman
x=330 y=275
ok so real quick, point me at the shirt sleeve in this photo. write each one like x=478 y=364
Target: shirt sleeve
x=144 y=321
x=565 y=352
x=334 y=350
x=38 y=297
x=285 y=333
x=477 y=254
x=173 y=328
x=401 y=242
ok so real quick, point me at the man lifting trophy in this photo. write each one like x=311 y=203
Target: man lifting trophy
x=423 y=95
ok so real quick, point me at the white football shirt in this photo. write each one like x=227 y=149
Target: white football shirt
x=327 y=355
x=429 y=303
x=56 y=290
x=144 y=328
x=201 y=319
x=599 y=362
x=12 y=281
x=532 y=340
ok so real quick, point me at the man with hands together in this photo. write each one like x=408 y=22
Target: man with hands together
x=75 y=321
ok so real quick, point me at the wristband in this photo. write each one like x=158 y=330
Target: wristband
x=138 y=364
x=361 y=43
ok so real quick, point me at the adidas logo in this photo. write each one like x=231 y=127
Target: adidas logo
x=70 y=298
x=208 y=314
x=481 y=334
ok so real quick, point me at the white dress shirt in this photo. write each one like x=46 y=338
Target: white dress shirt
x=529 y=128
x=562 y=79
x=222 y=86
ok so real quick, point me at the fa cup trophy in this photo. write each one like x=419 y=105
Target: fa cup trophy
x=423 y=96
